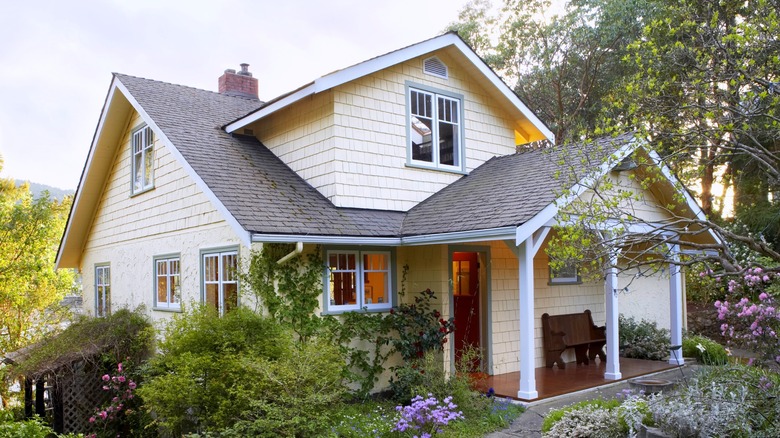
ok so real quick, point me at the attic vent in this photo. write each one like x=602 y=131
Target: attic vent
x=434 y=66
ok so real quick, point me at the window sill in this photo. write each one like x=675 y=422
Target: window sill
x=167 y=309
x=363 y=310
x=439 y=169
x=142 y=191
x=564 y=282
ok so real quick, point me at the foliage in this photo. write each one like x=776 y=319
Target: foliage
x=120 y=416
x=752 y=321
x=419 y=327
x=586 y=418
x=734 y=401
x=30 y=287
x=203 y=375
x=290 y=292
x=426 y=416
x=113 y=338
x=241 y=374
x=643 y=339
x=563 y=65
x=705 y=350
x=293 y=394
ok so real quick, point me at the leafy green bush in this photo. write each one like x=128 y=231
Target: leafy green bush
x=705 y=350
x=204 y=377
x=32 y=428
x=643 y=339
x=556 y=415
x=241 y=375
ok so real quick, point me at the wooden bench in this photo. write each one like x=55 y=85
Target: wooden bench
x=573 y=330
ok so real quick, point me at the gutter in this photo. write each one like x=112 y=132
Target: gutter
x=298 y=249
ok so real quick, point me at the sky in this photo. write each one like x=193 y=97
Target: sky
x=56 y=58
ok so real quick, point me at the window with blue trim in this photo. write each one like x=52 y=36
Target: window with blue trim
x=358 y=279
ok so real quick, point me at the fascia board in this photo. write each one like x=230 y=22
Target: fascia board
x=243 y=235
x=547 y=214
x=427 y=239
x=270 y=109
x=85 y=174
x=502 y=233
x=690 y=202
x=325 y=240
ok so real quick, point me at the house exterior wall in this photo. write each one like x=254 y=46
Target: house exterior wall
x=351 y=143
x=127 y=232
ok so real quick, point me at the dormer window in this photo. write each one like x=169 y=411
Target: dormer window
x=142 y=159
x=435 y=129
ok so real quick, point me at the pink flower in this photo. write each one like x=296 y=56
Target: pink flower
x=103 y=414
x=763 y=296
x=131 y=385
x=91 y=419
x=121 y=379
x=119 y=367
x=106 y=378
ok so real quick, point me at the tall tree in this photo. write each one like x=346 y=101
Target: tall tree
x=30 y=287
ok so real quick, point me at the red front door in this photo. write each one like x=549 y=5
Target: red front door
x=466 y=298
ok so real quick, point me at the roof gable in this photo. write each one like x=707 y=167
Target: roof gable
x=534 y=128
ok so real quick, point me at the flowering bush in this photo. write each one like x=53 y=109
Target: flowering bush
x=426 y=416
x=111 y=419
x=420 y=328
x=642 y=339
x=749 y=316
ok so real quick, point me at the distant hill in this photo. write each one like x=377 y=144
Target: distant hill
x=54 y=193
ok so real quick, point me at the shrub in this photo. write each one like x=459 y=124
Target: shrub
x=705 y=350
x=734 y=401
x=204 y=376
x=427 y=415
x=556 y=415
x=587 y=420
x=643 y=339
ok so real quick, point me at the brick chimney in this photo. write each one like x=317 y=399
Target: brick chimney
x=240 y=84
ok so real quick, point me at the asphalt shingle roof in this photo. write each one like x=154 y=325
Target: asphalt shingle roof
x=508 y=190
x=259 y=190
x=266 y=196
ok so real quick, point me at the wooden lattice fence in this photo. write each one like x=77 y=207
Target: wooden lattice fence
x=81 y=390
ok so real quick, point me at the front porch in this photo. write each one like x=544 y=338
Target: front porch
x=552 y=382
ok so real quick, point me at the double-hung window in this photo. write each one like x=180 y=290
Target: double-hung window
x=167 y=283
x=143 y=159
x=435 y=127
x=102 y=290
x=220 y=280
x=358 y=279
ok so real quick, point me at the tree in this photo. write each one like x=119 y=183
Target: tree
x=562 y=65
x=30 y=287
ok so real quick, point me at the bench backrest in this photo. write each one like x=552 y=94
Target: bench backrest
x=579 y=327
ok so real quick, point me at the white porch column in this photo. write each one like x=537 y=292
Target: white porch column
x=675 y=306
x=525 y=258
x=613 y=338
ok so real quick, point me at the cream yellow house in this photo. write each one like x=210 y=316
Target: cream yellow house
x=408 y=158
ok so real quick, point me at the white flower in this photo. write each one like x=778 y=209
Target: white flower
x=700 y=347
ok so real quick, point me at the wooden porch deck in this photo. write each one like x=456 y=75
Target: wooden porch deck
x=551 y=382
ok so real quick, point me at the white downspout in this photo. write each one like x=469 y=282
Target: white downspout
x=298 y=249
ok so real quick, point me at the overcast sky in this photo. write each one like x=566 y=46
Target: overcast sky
x=56 y=58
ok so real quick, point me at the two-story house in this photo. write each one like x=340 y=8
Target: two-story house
x=408 y=158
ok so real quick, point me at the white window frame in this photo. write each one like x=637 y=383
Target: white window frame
x=173 y=298
x=359 y=271
x=102 y=289
x=141 y=150
x=221 y=272
x=436 y=119
x=561 y=276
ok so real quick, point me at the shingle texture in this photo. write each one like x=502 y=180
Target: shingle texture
x=266 y=196
x=508 y=190
x=256 y=187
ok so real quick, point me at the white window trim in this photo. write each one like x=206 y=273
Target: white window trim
x=106 y=287
x=144 y=132
x=168 y=305
x=219 y=253
x=359 y=291
x=436 y=93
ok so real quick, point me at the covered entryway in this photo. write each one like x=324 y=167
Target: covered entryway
x=469 y=306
